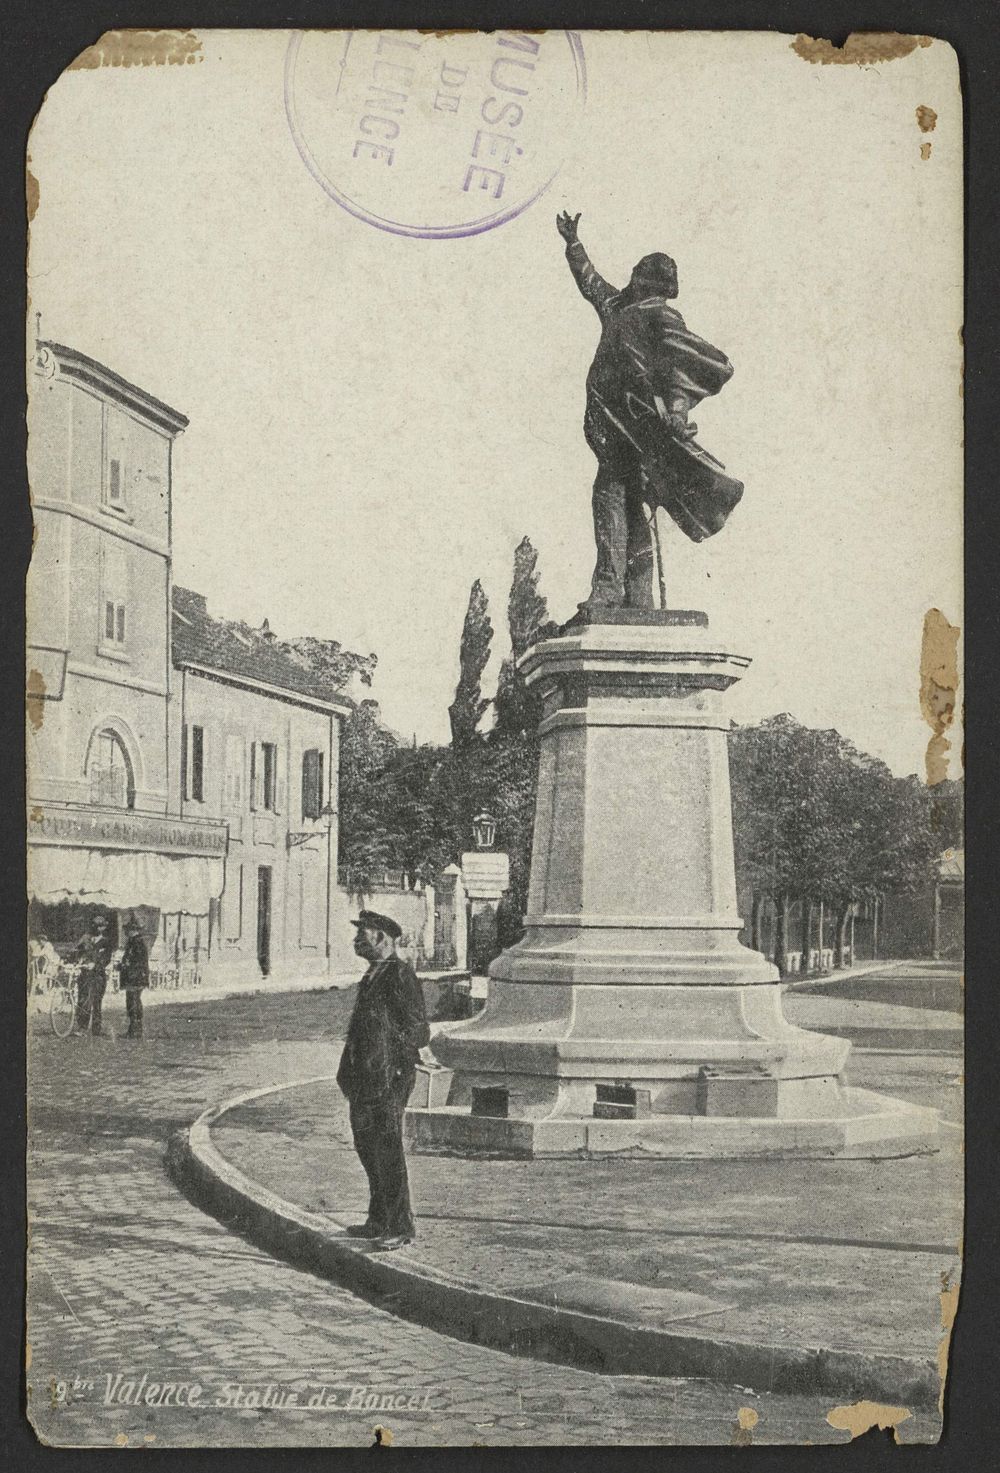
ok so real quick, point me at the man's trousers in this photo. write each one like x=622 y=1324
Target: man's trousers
x=623 y=574
x=377 y=1126
x=133 y=1009
x=89 y=997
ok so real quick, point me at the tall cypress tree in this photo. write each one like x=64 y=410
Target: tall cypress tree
x=527 y=617
x=466 y=710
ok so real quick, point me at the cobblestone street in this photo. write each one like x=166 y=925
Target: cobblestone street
x=128 y=1280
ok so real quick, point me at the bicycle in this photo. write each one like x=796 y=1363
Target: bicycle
x=62 y=1006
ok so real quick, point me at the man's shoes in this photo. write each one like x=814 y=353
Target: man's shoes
x=396 y=1240
x=363 y=1230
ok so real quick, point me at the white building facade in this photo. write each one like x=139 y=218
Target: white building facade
x=193 y=785
x=258 y=749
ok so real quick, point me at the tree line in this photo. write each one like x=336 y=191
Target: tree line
x=816 y=822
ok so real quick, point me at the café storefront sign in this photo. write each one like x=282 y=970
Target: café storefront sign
x=123 y=859
x=110 y=828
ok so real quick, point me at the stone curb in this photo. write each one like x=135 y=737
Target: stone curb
x=517 y=1326
x=840 y=974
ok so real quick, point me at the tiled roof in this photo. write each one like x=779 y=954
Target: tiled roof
x=235 y=648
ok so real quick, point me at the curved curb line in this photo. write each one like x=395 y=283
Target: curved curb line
x=516 y=1326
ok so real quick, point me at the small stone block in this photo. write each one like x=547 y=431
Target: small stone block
x=622 y=1102
x=725 y=1091
x=430 y=1088
x=491 y=1101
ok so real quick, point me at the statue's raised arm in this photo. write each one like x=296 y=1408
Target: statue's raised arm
x=590 y=281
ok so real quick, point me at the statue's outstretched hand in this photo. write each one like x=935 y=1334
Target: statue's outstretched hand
x=566 y=225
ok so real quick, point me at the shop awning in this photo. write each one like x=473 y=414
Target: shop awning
x=174 y=884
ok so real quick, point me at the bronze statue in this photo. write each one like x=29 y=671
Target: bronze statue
x=648 y=373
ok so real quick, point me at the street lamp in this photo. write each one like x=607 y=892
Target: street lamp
x=484 y=831
x=296 y=840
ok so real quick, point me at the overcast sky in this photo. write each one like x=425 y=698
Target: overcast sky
x=376 y=420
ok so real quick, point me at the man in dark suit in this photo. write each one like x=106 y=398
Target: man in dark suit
x=94 y=954
x=388 y=1028
x=134 y=975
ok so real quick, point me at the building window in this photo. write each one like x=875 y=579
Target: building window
x=233 y=791
x=193 y=763
x=114 y=491
x=114 y=621
x=264 y=776
x=114 y=602
x=112 y=784
x=115 y=482
x=312 y=783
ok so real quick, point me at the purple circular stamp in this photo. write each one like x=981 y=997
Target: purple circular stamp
x=430 y=135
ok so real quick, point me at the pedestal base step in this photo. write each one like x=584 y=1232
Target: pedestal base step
x=868 y=1126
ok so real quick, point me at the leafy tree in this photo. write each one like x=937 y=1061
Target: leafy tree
x=818 y=821
x=419 y=796
x=508 y=788
x=365 y=820
x=328 y=659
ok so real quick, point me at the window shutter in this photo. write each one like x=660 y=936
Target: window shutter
x=184 y=761
x=234 y=771
x=253 y=775
x=278 y=781
x=109 y=619
x=120 y=624
x=232 y=902
x=198 y=763
x=115 y=480
x=312 y=783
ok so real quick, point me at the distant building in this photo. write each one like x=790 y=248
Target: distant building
x=257 y=738
x=948 y=934
x=178 y=765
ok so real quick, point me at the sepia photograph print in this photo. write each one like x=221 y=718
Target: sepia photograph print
x=494 y=757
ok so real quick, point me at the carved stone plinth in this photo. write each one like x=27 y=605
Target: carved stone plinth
x=631 y=1018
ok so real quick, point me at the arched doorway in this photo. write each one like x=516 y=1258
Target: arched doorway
x=112 y=781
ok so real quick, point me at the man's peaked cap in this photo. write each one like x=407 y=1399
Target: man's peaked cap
x=372 y=920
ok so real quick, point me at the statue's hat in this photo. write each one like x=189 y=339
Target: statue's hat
x=660 y=270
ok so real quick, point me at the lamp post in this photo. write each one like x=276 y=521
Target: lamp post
x=484 y=831
x=485 y=875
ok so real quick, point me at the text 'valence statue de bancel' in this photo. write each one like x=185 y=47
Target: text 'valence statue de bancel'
x=631 y=1019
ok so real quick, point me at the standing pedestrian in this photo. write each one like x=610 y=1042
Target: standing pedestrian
x=94 y=955
x=388 y=1028
x=134 y=975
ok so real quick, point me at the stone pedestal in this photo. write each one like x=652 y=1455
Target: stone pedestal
x=485 y=876
x=630 y=1018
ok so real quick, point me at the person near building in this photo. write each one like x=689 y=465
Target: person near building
x=134 y=975
x=388 y=1028
x=94 y=957
x=43 y=963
